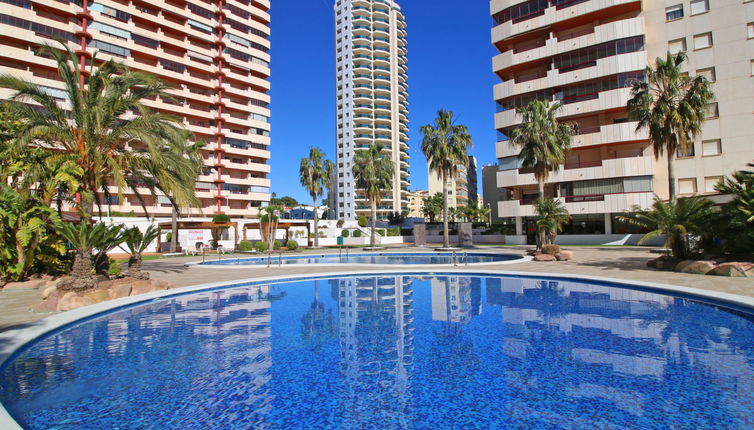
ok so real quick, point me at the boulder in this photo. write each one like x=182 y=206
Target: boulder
x=50 y=304
x=695 y=267
x=31 y=284
x=97 y=296
x=663 y=262
x=735 y=269
x=564 y=255
x=49 y=291
x=120 y=290
x=65 y=302
x=141 y=286
x=544 y=257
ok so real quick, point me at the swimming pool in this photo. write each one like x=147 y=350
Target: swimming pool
x=397 y=350
x=385 y=258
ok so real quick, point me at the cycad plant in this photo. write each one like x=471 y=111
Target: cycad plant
x=737 y=216
x=552 y=215
x=676 y=219
x=136 y=243
x=445 y=145
x=85 y=238
x=106 y=130
x=544 y=141
x=316 y=174
x=373 y=173
x=672 y=106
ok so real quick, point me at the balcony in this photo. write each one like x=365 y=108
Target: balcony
x=612 y=168
x=605 y=203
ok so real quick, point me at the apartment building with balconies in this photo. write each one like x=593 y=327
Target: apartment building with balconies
x=462 y=187
x=585 y=54
x=213 y=54
x=372 y=99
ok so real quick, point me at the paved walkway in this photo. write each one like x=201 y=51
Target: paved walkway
x=627 y=263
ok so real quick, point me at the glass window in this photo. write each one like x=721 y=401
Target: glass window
x=750 y=30
x=689 y=152
x=710 y=182
x=674 y=12
x=699 y=6
x=712 y=111
x=702 y=41
x=708 y=73
x=712 y=147
x=676 y=46
x=687 y=186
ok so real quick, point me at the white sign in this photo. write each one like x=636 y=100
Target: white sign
x=196 y=235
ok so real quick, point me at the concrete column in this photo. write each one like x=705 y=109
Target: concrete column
x=608 y=224
x=519 y=226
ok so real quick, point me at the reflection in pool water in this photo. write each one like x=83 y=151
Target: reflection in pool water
x=391 y=258
x=394 y=352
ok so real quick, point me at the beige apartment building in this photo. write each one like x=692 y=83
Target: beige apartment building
x=462 y=188
x=416 y=203
x=585 y=54
x=215 y=56
x=372 y=99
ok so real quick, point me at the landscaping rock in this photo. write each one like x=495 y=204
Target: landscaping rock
x=695 y=267
x=31 y=284
x=663 y=262
x=97 y=296
x=564 y=255
x=65 y=302
x=120 y=290
x=50 y=304
x=48 y=291
x=736 y=270
x=544 y=257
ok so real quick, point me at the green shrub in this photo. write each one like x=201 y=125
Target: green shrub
x=381 y=231
x=221 y=218
x=344 y=233
x=169 y=236
x=114 y=269
x=245 y=246
x=363 y=221
x=292 y=245
x=357 y=233
x=340 y=223
x=394 y=231
x=260 y=246
x=276 y=245
x=550 y=249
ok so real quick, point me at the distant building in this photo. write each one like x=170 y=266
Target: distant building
x=416 y=203
x=304 y=212
x=462 y=189
x=492 y=194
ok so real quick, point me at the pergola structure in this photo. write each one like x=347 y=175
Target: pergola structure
x=256 y=225
x=198 y=225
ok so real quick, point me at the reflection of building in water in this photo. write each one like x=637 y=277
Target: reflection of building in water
x=376 y=342
x=456 y=299
x=640 y=337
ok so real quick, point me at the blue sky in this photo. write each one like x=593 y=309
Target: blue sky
x=450 y=66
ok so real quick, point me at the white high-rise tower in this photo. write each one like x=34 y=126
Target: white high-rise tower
x=372 y=99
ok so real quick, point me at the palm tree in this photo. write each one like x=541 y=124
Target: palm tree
x=136 y=243
x=675 y=219
x=316 y=174
x=543 y=140
x=269 y=222
x=108 y=131
x=432 y=206
x=671 y=105
x=85 y=239
x=445 y=145
x=373 y=173
x=552 y=215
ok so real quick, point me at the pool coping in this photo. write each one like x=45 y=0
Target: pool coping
x=211 y=265
x=11 y=341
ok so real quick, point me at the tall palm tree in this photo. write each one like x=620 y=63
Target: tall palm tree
x=552 y=215
x=114 y=138
x=445 y=145
x=373 y=173
x=544 y=141
x=671 y=105
x=316 y=174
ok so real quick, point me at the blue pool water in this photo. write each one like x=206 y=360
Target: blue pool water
x=398 y=351
x=373 y=258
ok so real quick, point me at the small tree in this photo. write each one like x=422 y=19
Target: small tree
x=136 y=243
x=269 y=222
x=432 y=207
x=552 y=215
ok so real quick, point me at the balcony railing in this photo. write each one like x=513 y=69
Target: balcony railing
x=583 y=164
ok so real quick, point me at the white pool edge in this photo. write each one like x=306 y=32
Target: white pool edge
x=15 y=339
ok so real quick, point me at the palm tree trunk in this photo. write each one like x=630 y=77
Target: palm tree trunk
x=81 y=272
x=316 y=225
x=374 y=223
x=671 y=175
x=541 y=189
x=174 y=231
x=445 y=236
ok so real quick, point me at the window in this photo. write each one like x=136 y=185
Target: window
x=711 y=147
x=685 y=154
x=710 y=182
x=708 y=73
x=702 y=41
x=712 y=111
x=687 y=186
x=699 y=6
x=752 y=67
x=676 y=46
x=750 y=30
x=674 y=12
